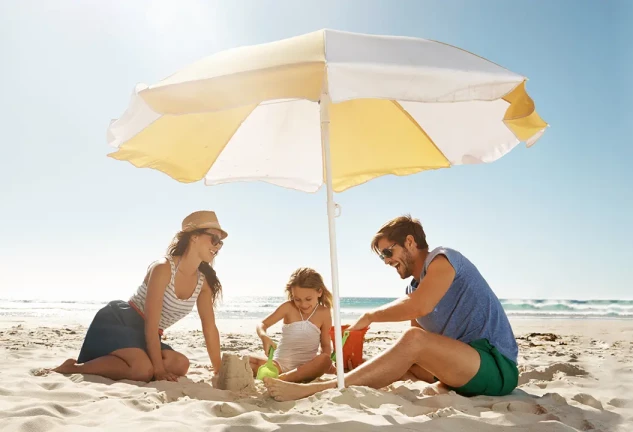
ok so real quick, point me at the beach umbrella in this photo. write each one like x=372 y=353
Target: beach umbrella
x=328 y=107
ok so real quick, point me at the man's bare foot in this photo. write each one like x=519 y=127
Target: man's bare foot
x=285 y=391
x=68 y=367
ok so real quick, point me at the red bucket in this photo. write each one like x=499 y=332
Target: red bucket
x=353 y=348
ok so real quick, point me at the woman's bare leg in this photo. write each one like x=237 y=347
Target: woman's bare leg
x=175 y=362
x=126 y=363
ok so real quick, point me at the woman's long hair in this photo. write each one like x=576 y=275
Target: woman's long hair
x=178 y=247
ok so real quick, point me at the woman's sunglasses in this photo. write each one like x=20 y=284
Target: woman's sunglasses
x=387 y=252
x=215 y=239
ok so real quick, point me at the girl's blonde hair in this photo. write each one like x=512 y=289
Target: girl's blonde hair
x=308 y=278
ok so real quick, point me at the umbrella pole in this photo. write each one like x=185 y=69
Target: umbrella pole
x=324 y=108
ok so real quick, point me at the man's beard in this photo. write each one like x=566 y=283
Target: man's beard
x=406 y=265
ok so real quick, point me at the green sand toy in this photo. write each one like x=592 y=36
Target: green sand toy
x=268 y=369
x=345 y=336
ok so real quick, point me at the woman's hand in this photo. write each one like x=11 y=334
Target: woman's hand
x=268 y=342
x=214 y=380
x=163 y=375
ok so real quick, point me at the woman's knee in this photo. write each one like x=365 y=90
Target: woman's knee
x=176 y=362
x=142 y=370
x=184 y=364
x=140 y=366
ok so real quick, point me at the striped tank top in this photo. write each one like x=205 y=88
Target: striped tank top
x=174 y=309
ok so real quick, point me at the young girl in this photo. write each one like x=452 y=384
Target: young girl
x=307 y=321
x=124 y=338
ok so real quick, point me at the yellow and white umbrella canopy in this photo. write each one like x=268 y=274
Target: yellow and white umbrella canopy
x=329 y=107
x=399 y=106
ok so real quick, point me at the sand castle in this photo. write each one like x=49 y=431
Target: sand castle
x=236 y=374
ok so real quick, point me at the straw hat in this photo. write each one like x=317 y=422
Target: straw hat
x=202 y=219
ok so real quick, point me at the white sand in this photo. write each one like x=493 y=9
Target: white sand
x=581 y=378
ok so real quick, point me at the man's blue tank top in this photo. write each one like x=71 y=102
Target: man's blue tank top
x=469 y=310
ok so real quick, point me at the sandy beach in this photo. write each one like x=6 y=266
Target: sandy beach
x=575 y=375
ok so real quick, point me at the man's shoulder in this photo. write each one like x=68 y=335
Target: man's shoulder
x=442 y=250
x=453 y=256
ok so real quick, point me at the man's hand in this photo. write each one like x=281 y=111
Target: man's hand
x=268 y=342
x=362 y=323
x=163 y=375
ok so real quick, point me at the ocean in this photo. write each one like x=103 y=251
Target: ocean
x=236 y=308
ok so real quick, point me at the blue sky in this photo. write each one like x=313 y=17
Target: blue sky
x=552 y=221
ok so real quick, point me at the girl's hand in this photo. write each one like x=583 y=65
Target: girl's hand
x=268 y=342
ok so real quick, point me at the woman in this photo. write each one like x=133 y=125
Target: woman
x=123 y=340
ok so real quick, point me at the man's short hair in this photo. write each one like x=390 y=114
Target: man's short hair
x=397 y=230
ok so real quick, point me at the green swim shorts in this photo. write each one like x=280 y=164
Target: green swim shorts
x=497 y=375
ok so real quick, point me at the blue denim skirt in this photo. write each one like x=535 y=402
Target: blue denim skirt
x=115 y=326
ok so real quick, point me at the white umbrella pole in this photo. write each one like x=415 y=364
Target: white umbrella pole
x=325 y=140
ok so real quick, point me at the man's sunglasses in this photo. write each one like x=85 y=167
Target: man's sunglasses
x=387 y=252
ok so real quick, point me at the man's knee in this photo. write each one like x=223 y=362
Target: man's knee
x=412 y=340
x=414 y=334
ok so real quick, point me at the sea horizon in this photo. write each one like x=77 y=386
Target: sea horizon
x=258 y=307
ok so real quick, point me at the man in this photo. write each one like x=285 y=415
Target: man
x=460 y=335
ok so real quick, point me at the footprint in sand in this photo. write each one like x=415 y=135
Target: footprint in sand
x=46 y=385
x=443 y=412
x=621 y=403
x=553 y=399
x=549 y=372
x=519 y=406
x=587 y=399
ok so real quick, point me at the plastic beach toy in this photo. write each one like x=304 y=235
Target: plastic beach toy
x=268 y=369
x=345 y=336
x=353 y=349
